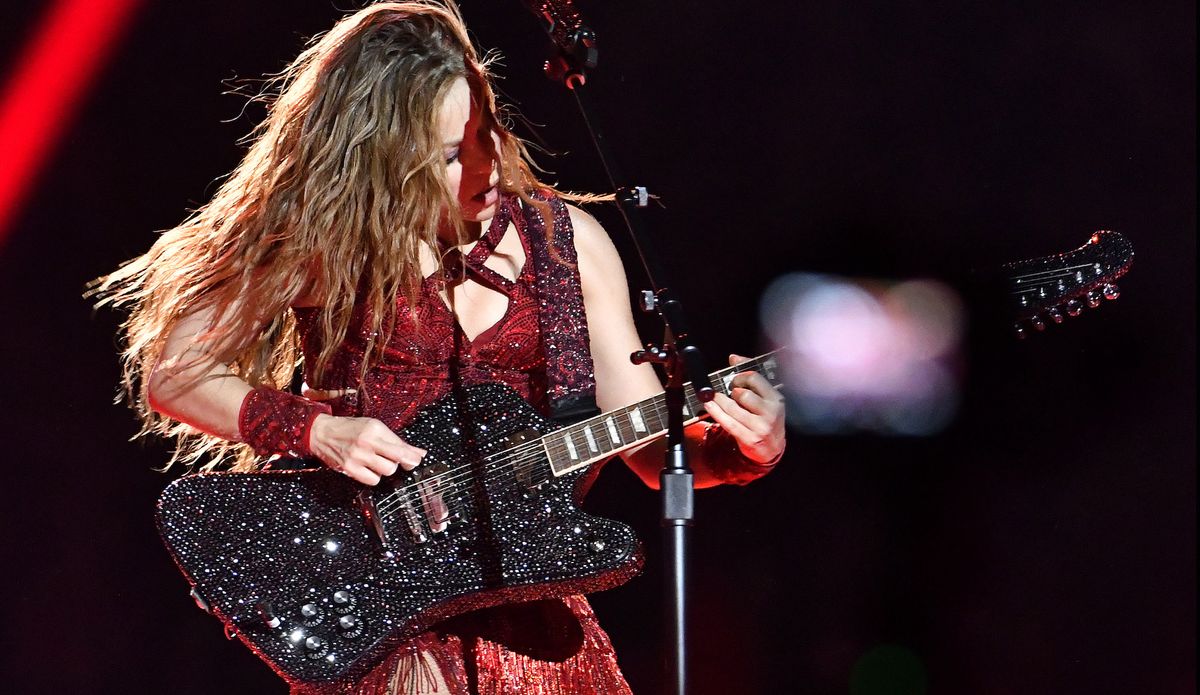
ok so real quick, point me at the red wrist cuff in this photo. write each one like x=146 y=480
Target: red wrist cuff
x=727 y=462
x=275 y=422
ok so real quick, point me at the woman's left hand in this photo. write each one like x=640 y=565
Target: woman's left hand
x=753 y=415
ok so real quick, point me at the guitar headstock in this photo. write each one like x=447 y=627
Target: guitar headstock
x=1047 y=290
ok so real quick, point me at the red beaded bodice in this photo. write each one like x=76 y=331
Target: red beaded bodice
x=428 y=350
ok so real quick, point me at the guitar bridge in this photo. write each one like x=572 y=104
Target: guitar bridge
x=436 y=492
x=425 y=500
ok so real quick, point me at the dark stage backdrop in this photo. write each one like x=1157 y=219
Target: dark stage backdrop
x=1044 y=543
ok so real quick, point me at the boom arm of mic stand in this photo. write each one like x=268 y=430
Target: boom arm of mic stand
x=630 y=201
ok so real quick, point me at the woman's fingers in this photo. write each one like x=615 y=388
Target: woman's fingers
x=735 y=419
x=753 y=392
x=390 y=446
x=324 y=394
x=750 y=400
x=364 y=449
x=759 y=438
x=752 y=413
x=360 y=473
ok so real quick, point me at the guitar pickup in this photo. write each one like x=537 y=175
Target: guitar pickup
x=526 y=475
x=424 y=502
x=412 y=519
x=435 y=489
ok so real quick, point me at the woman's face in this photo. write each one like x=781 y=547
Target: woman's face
x=471 y=147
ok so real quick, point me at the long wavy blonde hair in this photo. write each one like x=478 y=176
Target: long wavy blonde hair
x=341 y=185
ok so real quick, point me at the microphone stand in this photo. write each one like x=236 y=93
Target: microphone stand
x=681 y=359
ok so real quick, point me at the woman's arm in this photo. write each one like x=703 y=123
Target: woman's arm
x=195 y=386
x=753 y=417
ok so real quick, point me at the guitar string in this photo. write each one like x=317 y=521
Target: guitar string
x=1040 y=282
x=524 y=466
x=405 y=502
x=508 y=458
x=513 y=458
x=501 y=462
x=1050 y=282
x=657 y=403
x=529 y=455
x=1064 y=269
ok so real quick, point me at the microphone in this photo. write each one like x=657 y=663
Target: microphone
x=565 y=26
x=560 y=20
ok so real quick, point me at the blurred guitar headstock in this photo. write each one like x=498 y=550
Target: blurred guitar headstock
x=1051 y=289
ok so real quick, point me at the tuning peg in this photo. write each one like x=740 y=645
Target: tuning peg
x=1111 y=291
x=1055 y=315
x=1074 y=307
x=1094 y=298
x=1037 y=323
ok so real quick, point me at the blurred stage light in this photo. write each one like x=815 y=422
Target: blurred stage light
x=866 y=354
x=44 y=87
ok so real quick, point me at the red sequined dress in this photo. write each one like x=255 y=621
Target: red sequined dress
x=547 y=647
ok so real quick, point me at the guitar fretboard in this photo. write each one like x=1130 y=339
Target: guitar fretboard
x=581 y=444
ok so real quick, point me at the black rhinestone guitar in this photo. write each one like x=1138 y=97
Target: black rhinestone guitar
x=321 y=576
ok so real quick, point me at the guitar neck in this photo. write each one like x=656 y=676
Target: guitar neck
x=583 y=443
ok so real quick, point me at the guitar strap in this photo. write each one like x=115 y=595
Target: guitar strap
x=571 y=382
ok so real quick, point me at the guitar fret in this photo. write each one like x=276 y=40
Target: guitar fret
x=625 y=425
x=570 y=445
x=654 y=417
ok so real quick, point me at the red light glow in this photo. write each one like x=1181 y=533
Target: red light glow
x=50 y=77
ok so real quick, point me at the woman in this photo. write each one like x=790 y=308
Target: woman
x=385 y=227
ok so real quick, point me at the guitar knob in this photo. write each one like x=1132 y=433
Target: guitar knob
x=314 y=643
x=1055 y=315
x=1094 y=299
x=1074 y=307
x=1111 y=291
x=350 y=626
x=1020 y=330
x=344 y=601
x=311 y=613
x=1037 y=323
x=266 y=613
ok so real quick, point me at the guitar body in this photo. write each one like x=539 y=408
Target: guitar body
x=321 y=576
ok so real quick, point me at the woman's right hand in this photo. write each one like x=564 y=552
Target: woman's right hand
x=361 y=447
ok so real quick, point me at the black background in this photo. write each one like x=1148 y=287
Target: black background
x=1045 y=543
